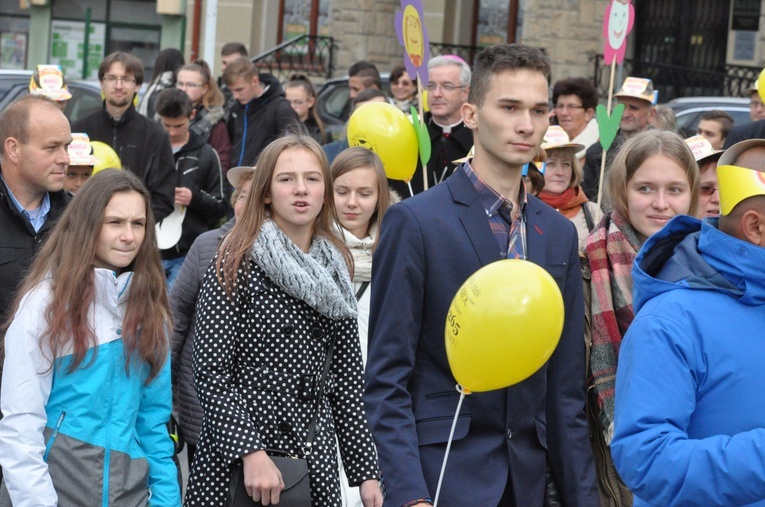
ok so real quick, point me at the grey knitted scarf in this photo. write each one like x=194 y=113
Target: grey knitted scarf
x=319 y=277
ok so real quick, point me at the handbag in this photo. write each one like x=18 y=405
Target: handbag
x=297 y=486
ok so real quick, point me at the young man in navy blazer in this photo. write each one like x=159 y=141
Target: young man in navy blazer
x=429 y=245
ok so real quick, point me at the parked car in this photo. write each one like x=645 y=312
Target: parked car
x=689 y=110
x=332 y=99
x=86 y=95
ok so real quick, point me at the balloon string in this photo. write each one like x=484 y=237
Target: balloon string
x=463 y=393
x=409 y=184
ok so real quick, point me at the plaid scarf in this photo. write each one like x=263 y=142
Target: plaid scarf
x=611 y=250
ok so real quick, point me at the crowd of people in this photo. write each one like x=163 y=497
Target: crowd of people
x=211 y=251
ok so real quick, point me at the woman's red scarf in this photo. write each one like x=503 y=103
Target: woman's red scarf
x=567 y=203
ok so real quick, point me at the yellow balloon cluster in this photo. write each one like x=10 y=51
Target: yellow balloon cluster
x=503 y=325
x=384 y=129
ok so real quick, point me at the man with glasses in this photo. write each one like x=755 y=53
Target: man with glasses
x=450 y=139
x=141 y=144
x=753 y=130
x=574 y=102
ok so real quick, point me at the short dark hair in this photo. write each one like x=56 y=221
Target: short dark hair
x=724 y=119
x=131 y=63
x=14 y=120
x=230 y=48
x=504 y=58
x=579 y=86
x=366 y=95
x=174 y=103
x=399 y=71
x=367 y=72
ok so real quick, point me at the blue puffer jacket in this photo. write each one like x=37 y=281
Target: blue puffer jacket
x=690 y=389
x=96 y=436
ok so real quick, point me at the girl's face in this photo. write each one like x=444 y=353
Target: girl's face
x=300 y=101
x=241 y=199
x=558 y=171
x=403 y=88
x=193 y=84
x=657 y=191
x=296 y=194
x=356 y=194
x=122 y=231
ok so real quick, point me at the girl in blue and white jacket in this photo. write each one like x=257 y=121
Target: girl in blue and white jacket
x=86 y=390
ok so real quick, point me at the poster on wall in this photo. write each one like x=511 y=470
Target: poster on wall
x=13 y=50
x=68 y=43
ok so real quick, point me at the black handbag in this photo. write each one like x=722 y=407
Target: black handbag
x=297 y=486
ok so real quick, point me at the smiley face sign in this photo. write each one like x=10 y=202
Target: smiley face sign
x=617 y=23
x=414 y=38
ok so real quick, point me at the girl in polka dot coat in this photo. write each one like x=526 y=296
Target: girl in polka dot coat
x=276 y=296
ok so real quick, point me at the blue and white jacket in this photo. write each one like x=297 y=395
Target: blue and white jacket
x=690 y=389
x=96 y=436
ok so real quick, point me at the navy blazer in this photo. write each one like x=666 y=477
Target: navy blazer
x=752 y=130
x=429 y=245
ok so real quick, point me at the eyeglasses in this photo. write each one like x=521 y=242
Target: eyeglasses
x=445 y=87
x=119 y=79
x=298 y=102
x=708 y=190
x=181 y=84
x=570 y=107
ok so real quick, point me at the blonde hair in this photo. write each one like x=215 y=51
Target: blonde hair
x=358 y=157
x=635 y=152
x=576 y=168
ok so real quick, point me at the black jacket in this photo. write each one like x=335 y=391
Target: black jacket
x=592 y=159
x=268 y=117
x=444 y=149
x=143 y=147
x=198 y=168
x=753 y=130
x=19 y=243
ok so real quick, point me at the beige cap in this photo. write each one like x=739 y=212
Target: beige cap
x=639 y=88
x=701 y=148
x=235 y=174
x=556 y=137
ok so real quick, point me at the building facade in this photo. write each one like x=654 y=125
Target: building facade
x=707 y=36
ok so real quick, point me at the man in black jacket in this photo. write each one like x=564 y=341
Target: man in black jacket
x=199 y=188
x=141 y=144
x=34 y=134
x=262 y=112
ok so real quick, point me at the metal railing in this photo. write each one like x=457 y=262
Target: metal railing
x=308 y=54
x=673 y=81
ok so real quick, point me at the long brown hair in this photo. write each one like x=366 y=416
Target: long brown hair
x=234 y=250
x=213 y=97
x=358 y=157
x=68 y=259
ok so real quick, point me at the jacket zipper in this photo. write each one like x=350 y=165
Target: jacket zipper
x=54 y=435
x=108 y=446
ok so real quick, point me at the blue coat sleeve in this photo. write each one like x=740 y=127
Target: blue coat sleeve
x=656 y=383
x=151 y=428
x=398 y=285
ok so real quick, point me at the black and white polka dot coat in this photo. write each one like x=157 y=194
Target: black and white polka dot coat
x=252 y=358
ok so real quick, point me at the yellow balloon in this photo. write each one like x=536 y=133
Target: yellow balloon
x=503 y=325
x=761 y=85
x=387 y=131
x=107 y=157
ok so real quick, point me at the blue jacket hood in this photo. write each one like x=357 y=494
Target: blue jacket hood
x=690 y=254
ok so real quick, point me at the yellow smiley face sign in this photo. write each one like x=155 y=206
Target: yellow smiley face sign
x=413 y=38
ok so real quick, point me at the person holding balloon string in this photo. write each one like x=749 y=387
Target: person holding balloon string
x=275 y=305
x=653 y=178
x=429 y=245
